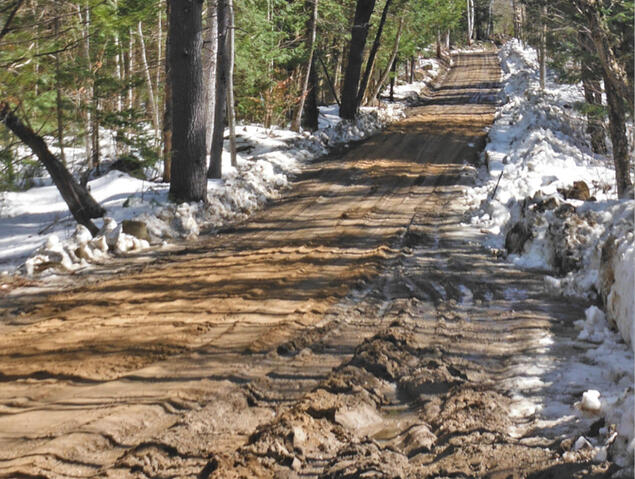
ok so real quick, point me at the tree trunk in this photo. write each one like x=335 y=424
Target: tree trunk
x=167 y=130
x=58 y=96
x=146 y=69
x=85 y=52
x=215 y=169
x=332 y=84
x=311 y=29
x=593 y=96
x=131 y=66
x=81 y=204
x=438 y=44
x=617 y=130
x=231 y=109
x=119 y=76
x=188 y=181
x=470 y=21
x=600 y=34
x=363 y=11
x=393 y=56
x=167 y=111
x=412 y=69
x=310 y=118
x=337 y=77
x=542 y=54
x=211 y=51
x=518 y=19
x=373 y=52
x=95 y=157
x=393 y=71
x=6 y=28
x=157 y=84
x=372 y=74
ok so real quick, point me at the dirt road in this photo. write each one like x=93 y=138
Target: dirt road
x=354 y=328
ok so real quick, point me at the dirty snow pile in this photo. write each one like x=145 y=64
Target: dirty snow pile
x=550 y=203
x=36 y=224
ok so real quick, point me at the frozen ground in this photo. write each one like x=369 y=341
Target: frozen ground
x=537 y=150
x=38 y=219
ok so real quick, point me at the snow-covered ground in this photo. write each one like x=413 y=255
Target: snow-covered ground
x=537 y=151
x=38 y=219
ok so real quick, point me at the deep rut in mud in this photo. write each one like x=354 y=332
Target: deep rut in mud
x=354 y=328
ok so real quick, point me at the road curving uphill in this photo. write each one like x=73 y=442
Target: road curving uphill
x=353 y=328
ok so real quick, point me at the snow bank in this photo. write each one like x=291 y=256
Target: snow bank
x=267 y=159
x=549 y=202
x=537 y=159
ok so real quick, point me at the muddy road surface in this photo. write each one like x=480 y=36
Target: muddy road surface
x=353 y=328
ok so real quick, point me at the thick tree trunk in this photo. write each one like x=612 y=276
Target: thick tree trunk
x=373 y=52
x=617 y=130
x=210 y=53
x=188 y=182
x=311 y=29
x=81 y=204
x=363 y=11
x=215 y=169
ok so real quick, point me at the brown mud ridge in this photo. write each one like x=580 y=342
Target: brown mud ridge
x=352 y=329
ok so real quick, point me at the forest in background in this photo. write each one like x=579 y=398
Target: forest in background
x=72 y=70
